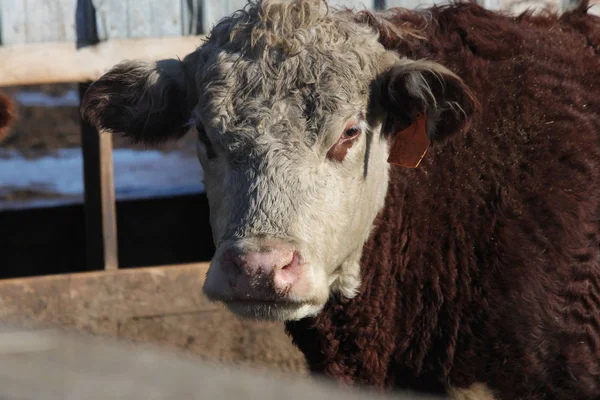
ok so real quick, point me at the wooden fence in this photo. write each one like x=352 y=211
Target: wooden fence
x=53 y=41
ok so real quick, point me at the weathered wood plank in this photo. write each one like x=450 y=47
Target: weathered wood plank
x=213 y=11
x=35 y=21
x=54 y=365
x=112 y=19
x=117 y=19
x=413 y=3
x=139 y=18
x=62 y=62
x=192 y=17
x=13 y=28
x=357 y=4
x=87 y=298
x=166 y=17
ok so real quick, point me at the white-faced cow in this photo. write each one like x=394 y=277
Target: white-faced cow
x=415 y=192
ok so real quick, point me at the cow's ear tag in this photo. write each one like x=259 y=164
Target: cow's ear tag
x=410 y=145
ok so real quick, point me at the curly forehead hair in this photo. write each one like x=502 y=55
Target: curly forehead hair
x=290 y=26
x=301 y=51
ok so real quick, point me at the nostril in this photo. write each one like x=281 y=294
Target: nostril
x=293 y=264
x=261 y=263
x=289 y=274
x=293 y=261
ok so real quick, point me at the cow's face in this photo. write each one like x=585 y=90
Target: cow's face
x=289 y=104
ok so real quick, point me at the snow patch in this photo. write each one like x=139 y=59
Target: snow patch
x=40 y=99
x=138 y=174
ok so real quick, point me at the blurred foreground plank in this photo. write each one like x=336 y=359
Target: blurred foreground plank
x=54 y=365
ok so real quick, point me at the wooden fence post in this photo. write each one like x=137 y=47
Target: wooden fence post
x=99 y=197
x=98 y=173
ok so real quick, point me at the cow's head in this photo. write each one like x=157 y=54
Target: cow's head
x=295 y=107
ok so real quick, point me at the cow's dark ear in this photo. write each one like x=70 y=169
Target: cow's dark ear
x=412 y=87
x=149 y=102
x=422 y=101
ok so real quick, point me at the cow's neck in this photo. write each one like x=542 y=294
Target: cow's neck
x=362 y=340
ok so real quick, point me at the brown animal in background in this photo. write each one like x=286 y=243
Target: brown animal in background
x=7 y=115
x=477 y=273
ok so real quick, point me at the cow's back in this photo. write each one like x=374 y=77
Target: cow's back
x=507 y=214
x=484 y=264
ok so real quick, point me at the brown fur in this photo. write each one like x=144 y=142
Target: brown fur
x=7 y=115
x=484 y=266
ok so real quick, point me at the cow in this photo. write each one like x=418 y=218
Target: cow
x=416 y=193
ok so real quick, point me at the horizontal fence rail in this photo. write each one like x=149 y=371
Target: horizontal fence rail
x=58 y=62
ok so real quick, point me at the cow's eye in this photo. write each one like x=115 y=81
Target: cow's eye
x=352 y=132
x=347 y=139
x=203 y=137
